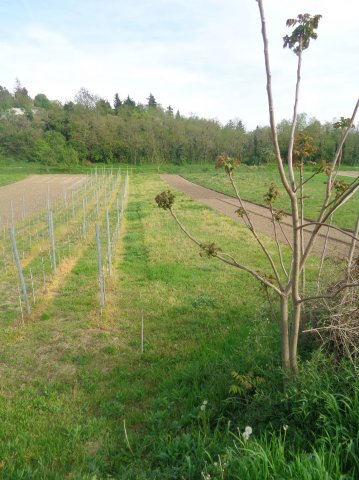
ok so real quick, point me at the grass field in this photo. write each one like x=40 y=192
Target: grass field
x=12 y=170
x=78 y=400
x=253 y=184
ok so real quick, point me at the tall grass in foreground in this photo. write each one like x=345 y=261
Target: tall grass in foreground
x=310 y=431
x=319 y=441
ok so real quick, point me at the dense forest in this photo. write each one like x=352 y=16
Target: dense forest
x=90 y=129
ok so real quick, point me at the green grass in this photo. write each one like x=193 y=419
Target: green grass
x=253 y=183
x=314 y=429
x=12 y=170
x=73 y=382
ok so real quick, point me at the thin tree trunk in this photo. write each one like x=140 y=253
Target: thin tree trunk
x=271 y=103
x=321 y=265
x=295 y=286
x=297 y=220
x=279 y=250
x=294 y=123
x=250 y=225
x=301 y=229
x=285 y=333
x=297 y=306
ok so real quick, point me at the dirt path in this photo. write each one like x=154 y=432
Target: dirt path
x=338 y=243
x=30 y=195
x=349 y=173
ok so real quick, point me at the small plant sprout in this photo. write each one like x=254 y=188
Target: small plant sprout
x=165 y=200
x=226 y=162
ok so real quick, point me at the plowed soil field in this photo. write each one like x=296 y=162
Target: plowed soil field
x=28 y=196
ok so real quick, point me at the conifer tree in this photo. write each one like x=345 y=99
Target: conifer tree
x=117 y=102
x=151 y=101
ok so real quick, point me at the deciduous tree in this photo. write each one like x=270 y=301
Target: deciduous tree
x=286 y=280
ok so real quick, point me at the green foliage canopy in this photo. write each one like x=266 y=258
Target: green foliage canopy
x=90 y=129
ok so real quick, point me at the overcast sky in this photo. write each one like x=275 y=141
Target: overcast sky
x=203 y=57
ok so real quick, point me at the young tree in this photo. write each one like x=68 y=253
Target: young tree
x=87 y=99
x=103 y=106
x=42 y=101
x=21 y=96
x=151 y=101
x=129 y=102
x=117 y=102
x=239 y=125
x=286 y=282
x=6 y=99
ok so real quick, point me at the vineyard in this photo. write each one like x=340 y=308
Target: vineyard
x=46 y=242
x=135 y=357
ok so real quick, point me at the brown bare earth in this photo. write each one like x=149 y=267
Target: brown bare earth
x=338 y=243
x=21 y=199
x=349 y=173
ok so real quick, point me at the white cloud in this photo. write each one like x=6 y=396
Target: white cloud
x=45 y=37
x=204 y=57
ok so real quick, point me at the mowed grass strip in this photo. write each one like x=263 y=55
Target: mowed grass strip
x=72 y=378
x=12 y=170
x=253 y=183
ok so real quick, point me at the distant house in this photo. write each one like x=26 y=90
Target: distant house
x=19 y=111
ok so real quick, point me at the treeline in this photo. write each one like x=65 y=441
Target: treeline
x=91 y=129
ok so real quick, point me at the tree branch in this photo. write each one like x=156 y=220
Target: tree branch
x=185 y=231
x=352 y=248
x=234 y=263
x=345 y=134
x=271 y=103
x=347 y=285
x=294 y=123
x=254 y=233
x=350 y=186
x=277 y=243
x=323 y=255
x=301 y=186
x=309 y=178
x=321 y=222
x=342 y=199
x=285 y=236
x=330 y=226
x=220 y=256
x=336 y=157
